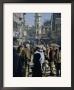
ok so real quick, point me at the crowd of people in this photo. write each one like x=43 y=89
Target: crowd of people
x=23 y=55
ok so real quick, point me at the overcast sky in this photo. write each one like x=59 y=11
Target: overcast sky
x=30 y=19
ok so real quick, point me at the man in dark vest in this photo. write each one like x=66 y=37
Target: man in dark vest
x=36 y=71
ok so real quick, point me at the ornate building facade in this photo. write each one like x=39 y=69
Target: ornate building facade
x=19 y=26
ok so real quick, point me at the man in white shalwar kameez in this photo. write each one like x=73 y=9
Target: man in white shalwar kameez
x=42 y=57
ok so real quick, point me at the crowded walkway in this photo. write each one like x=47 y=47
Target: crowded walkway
x=37 y=61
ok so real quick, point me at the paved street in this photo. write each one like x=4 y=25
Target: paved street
x=46 y=71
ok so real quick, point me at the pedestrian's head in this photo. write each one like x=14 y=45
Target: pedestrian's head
x=59 y=48
x=19 y=49
x=37 y=49
x=22 y=52
x=40 y=50
x=56 y=50
x=25 y=46
x=51 y=48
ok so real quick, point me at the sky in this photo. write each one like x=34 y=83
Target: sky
x=29 y=18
